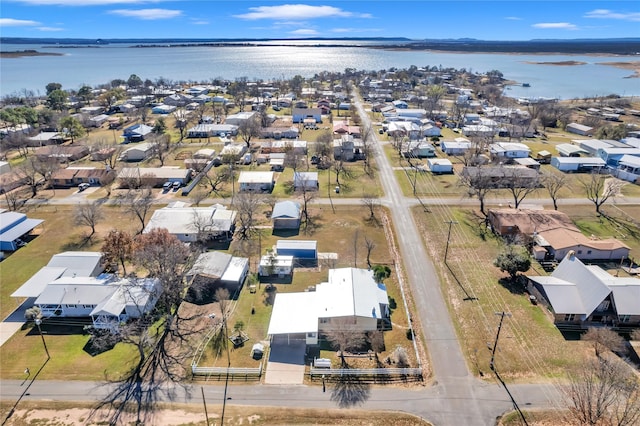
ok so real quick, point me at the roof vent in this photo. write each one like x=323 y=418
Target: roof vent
x=571 y=254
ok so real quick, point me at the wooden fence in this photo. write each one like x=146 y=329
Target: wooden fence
x=376 y=374
x=220 y=373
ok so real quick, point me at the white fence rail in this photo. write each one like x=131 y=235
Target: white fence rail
x=234 y=372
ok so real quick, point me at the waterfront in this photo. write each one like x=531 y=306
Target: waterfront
x=97 y=65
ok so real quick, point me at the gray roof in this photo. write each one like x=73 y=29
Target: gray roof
x=34 y=286
x=183 y=220
x=126 y=293
x=296 y=245
x=19 y=229
x=78 y=263
x=576 y=288
x=211 y=264
x=286 y=209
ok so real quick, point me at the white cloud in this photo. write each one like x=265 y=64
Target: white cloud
x=10 y=22
x=298 y=11
x=513 y=18
x=83 y=2
x=555 y=26
x=199 y=22
x=609 y=14
x=147 y=14
x=50 y=29
x=304 y=31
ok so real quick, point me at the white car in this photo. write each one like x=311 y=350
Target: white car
x=83 y=186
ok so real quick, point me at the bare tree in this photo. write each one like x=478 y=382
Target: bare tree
x=139 y=205
x=88 y=214
x=478 y=184
x=307 y=192
x=371 y=202
x=369 y=245
x=248 y=129
x=166 y=258
x=13 y=199
x=599 y=189
x=30 y=173
x=182 y=122
x=214 y=179
x=161 y=147
x=604 y=392
x=553 y=183
x=604 y=339
x=247 y=205
x=519 y=186
x=344 y=337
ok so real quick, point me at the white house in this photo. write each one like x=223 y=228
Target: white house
x=106 y=299
x=256 y=181
x=577 y=164
x=509 y=150
x=190 y=224
x=587 y=295
x=240 y=118
x=579 y=129
x=306 y=180
x=139 y=152
x=286 y=215
x=299 y=115
x=350 y=296
x=628 y=168
x=440 y=165
x=275 y=265
x=455 y=147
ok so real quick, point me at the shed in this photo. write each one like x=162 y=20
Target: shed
x=440 y=165
x=569 y=150
x=299 y=249
x=577 y=164
x=286 y=215
x=306 y=180
x=271 y=265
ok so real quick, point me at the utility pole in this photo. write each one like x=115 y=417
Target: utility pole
x=204 y=401
x=446 y=250
x=495 y=343
x=38 y=321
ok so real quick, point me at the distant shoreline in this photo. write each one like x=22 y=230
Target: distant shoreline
x=631 y=65
x=23 y=53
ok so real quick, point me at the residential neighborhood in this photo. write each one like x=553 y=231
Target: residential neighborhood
x=294 y=233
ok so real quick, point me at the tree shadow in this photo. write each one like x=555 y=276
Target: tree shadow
x=75 y=245
x=270 y=292
x=514 y=286
x=285 y=233
x=350 y=391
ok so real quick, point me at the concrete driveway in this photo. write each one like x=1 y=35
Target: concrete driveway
x=286 y=361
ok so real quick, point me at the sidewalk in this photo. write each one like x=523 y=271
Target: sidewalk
x=11 y=324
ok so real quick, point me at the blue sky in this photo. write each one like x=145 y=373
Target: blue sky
x=488 y=20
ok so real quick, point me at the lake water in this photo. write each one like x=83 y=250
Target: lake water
x=94 y=66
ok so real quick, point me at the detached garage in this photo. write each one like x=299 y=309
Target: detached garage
x=301 y=250
x=440 y=165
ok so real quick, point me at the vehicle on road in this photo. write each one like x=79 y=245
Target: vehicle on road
x=83 y=186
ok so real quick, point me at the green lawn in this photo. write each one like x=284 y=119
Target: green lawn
x=531 y=347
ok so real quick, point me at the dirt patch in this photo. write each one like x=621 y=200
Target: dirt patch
x=631 y=65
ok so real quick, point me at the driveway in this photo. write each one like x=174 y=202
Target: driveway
x=286 y=360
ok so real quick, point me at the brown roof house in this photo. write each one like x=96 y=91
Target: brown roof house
x=62 y=153
x=527 y=222
x=560 y=241
x=72 y=176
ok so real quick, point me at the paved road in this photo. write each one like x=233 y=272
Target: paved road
x=427 y=402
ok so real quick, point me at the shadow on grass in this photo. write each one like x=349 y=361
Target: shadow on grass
x=350 y=391
x=286 y=233
x=514 y=286
x=270 y=292
x=467 y=296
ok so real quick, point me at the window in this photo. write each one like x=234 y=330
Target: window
x=70 y=306
x=88 y=306
x=625 y=318
x=311 y=334
x=588 y=251
x=569 y=317
x=324 y=320
x=579 y=251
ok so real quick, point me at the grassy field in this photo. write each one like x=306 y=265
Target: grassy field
x=70 y=414
x=66 y=343
x=531 y=348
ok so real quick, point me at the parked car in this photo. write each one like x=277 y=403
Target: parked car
x=176 y=185
x=83 y=186
x=166 y=186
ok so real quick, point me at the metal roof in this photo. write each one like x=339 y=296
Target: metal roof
x=296 y=245
x=286 y=209
x=78 y=263
x=19 y=229
x=34 y=286
x=294 y=313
